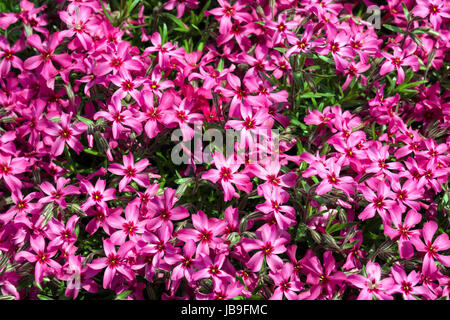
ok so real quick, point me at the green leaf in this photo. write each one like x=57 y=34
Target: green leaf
x=406 y=11
x=106 y=13
x=394 y=29
x=43 y=297
x=181 y=26
x=86 y=121
x=339 y=226
x=316 y=95
x=123 y=295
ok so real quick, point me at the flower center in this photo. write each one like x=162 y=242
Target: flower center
x=4 y=168
x=127 y=85
x=97 y=196
x=225 y=174
x=113 y=260
x=130 y=172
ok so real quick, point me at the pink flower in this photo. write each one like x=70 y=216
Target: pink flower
x=130 y=226
x=114 y=262
x=131 y=171
x=97 y=195
x=401 y=57
x=211 y=267
x=9 y=168
x=270 y=243
x=406 y=284
x=46 y=57
x=403 y=231
x=163 y=212
x=323 y=279
x=206 y=232
x=330 y=175
x=437 y=10
x=41 y=257
x=226 y=172
x=430 y=247
x=226 y=12
x=59 y=235
x=120 y=118
x=182 y=116
x=380 y=202
x=66 y=133
x=285 y=283
x=8 y=56
x=57 y=194
x=371 y=285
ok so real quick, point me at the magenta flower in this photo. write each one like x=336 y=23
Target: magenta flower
x=183 y=264
x=47 y=56
x=323 y=279
x=182 y=115
x=271 y=174
x=131 y=171
x=212 y=267
x=402 y=231
x=371 y=284
x=114 y=262
x=97 y=195
x=331 y=178
x=163 y=212
x=119 y=118
x=226 y=173
x=380 y=202
x=130 y=226
x=79 y=276
x=66 y=133
x=437 y=10
x=206 y=232
x=8 y=56
x=285 y=283
x=273 y=206
x=226 y=12
x=60 y=234
x=401 y=57
x=41 y=257
x=430 y=247
x=80 y=25
x=127 y=85
x=57 y=194
x=22 y=206
x=9 y=168
x=270 y=243
x=406 y=284
x=117 y=60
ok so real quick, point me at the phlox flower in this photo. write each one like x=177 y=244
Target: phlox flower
x=131 y=226
x=206 y=233
x=131 y=171
x=44 y=61
x=41 y=257
x=432 y=248
x=286 y=285
x=114 y=262
x=97 y=195
x=371 y=284
x=226 y=173
x=59 y=193
x=405 y=284
x=401 y=57
x=269 y=244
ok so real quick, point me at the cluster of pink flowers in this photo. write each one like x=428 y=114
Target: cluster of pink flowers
x=353 y=208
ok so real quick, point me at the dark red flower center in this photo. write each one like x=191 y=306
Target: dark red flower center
x=225 y=174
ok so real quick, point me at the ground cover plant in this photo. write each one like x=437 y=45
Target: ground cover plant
x=334 y=185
